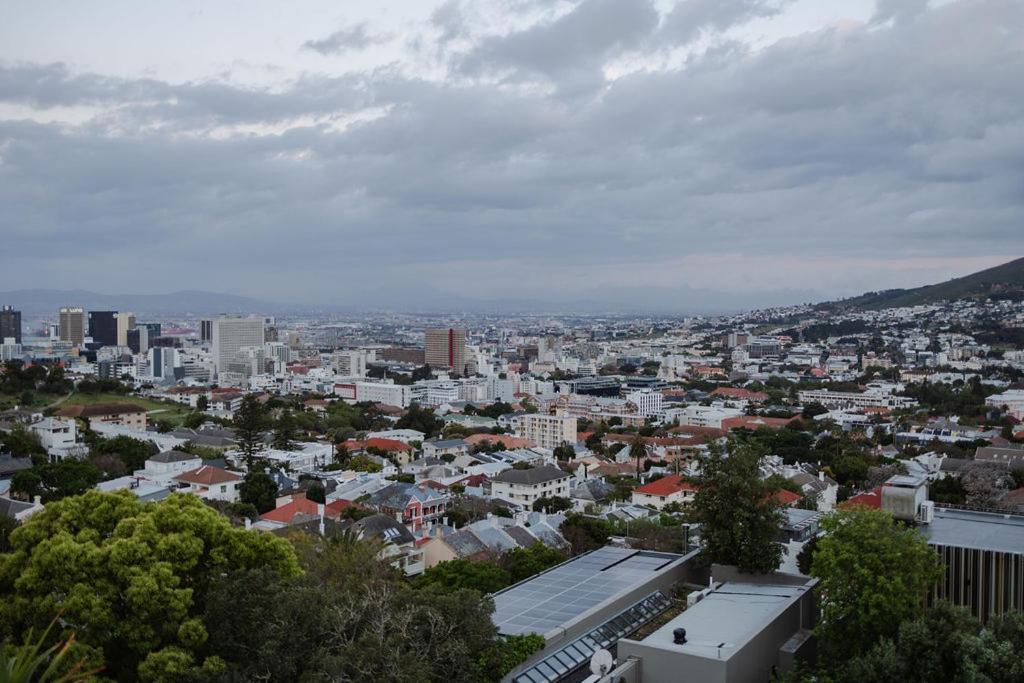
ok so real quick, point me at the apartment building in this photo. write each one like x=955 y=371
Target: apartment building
x=526 y=486
x=547 y=431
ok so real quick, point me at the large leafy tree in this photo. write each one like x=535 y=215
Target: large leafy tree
x=485 y=577
x=259 y=490
x=872 y=576
x=132 y=452
x=130 y=579
x=738 y=514
x=522 y=563
x=55 y=480
x=250 y=420
x=945 y=644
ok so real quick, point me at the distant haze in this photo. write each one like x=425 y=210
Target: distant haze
x=650 y=155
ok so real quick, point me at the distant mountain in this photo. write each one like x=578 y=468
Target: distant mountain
x=1005 y=281
x=41 y=301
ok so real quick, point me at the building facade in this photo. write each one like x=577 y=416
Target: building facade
x=445 y=348
x=71 y=324
x=10 y=324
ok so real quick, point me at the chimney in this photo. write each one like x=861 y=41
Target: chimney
x=821 y=475
x=37 y=500
x=398 y=516
x=248 y=524
x=445 y=521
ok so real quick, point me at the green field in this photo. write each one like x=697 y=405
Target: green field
x=158 y=410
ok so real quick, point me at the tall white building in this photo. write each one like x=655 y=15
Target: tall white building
x=647 y=401
x=350 y=363
x=230 y=335
x=125 y=322
x=547 y=431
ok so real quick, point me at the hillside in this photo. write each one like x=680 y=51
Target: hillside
x=1006 y=280
x=33 y=301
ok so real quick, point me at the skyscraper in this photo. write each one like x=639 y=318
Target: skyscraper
x=206 y=330
x=10 y=324
x=446 y=349
x=71 y=325
x=230 y=334
x=125 y=322
x=103 y=327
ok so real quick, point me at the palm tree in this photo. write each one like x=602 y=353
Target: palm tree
x=638 y=451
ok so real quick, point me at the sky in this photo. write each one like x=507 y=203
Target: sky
x=672 y=154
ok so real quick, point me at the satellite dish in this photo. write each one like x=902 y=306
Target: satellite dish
x=601 y=663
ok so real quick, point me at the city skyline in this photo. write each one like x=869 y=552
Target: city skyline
x=691 y=156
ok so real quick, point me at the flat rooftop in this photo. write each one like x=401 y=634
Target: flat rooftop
x=558 y=596
x=978 y=530
x=725 y=619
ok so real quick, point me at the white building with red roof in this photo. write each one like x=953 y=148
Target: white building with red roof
x=213 y=483
x=664 y=491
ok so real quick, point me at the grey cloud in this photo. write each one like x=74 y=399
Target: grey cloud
x=867 y=143
x=347 y=39
x=574 y=46
x=689 y=18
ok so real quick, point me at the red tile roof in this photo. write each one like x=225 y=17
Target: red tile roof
x=736 y=392
x=300 y=505
x=386 y=445
x=505 y=440
x=208 y=475
x=871 y=499
x=787 y=497
x=666 y=486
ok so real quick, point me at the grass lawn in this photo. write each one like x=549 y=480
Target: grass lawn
x=158 y=410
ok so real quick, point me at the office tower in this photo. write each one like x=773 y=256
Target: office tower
x=446 y=349
x=349 y=363
x=206 y=330
x=10 y=324
x=230 y=334
x=103 y=327
x=163 y=363
x=71 y=325
x=125 y=322
x=138 y=339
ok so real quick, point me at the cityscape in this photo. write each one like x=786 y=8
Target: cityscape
x=595 y=341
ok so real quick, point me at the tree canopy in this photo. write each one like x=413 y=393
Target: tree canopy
x=130 y=579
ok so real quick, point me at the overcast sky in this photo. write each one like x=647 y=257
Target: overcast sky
x=685 y=154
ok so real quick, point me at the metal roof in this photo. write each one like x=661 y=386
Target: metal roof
x=553 y=598
x=979 y=530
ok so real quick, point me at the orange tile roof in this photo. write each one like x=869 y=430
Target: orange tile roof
x=666 y=486
x=385 y=445
x=871 y=499
x=300 y=505
x=787 y=497
x=504 y=439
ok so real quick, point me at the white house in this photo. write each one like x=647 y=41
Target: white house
x=163 y=467
x=211 y=482
x=526 y=486
x=59 y=436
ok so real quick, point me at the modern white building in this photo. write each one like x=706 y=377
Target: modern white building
x=1013 y=400
x=231 y=334
x=851 y=399
x=349 y=363
x=647 y=401
x=59 y=436
x=375 y=392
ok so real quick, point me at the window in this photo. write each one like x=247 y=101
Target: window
x=224 y=488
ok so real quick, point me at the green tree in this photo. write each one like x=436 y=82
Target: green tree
x=737 y=511
x=21 y=442
x=284 y=431
x=132 y=452
x=34 y=662
x=259 y=490
x=129 y=578
x=316 y=493
x=944 y=644
x=564 y=452
x=872 y=576
x=250 y=420
x=202 y=403
x=55 y=480
x=522 y=563
x=482 y=576
x=552 y=504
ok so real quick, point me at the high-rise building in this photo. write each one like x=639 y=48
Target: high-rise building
x=125 y=323
x=446 y=349
x=205 y=330
x=10 y=324
x=103 y=327
x=138 y=339
x=230 y=334
x=71 y=324
x=350 y=363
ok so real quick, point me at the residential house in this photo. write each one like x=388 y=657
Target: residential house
x=414 y=504
x=212 y=483
x=123 y=414
x=526 y=486
x=452 y=447
x=164 y=467
x=665 y=491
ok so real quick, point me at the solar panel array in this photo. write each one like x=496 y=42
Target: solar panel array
x=552 y=599
x=577 y=654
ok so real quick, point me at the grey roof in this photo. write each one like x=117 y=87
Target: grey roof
x=10 y=507
x=521 y=536
x=394 y=496
x=979 y=530
x=173 y=456
x=1005 y=455
x=494 y=538
x=465 y=543
x=9 y=464
x=551 y=599
x=592 y=489
x=720 y=624
x=385 y=528
x=534 y=475
x=446 y=443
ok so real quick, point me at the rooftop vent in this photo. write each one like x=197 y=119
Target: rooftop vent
x=679 y=636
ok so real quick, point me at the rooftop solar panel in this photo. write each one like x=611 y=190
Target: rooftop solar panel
x=553 y=598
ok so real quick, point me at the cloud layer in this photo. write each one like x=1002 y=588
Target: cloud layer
x=604 y=150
